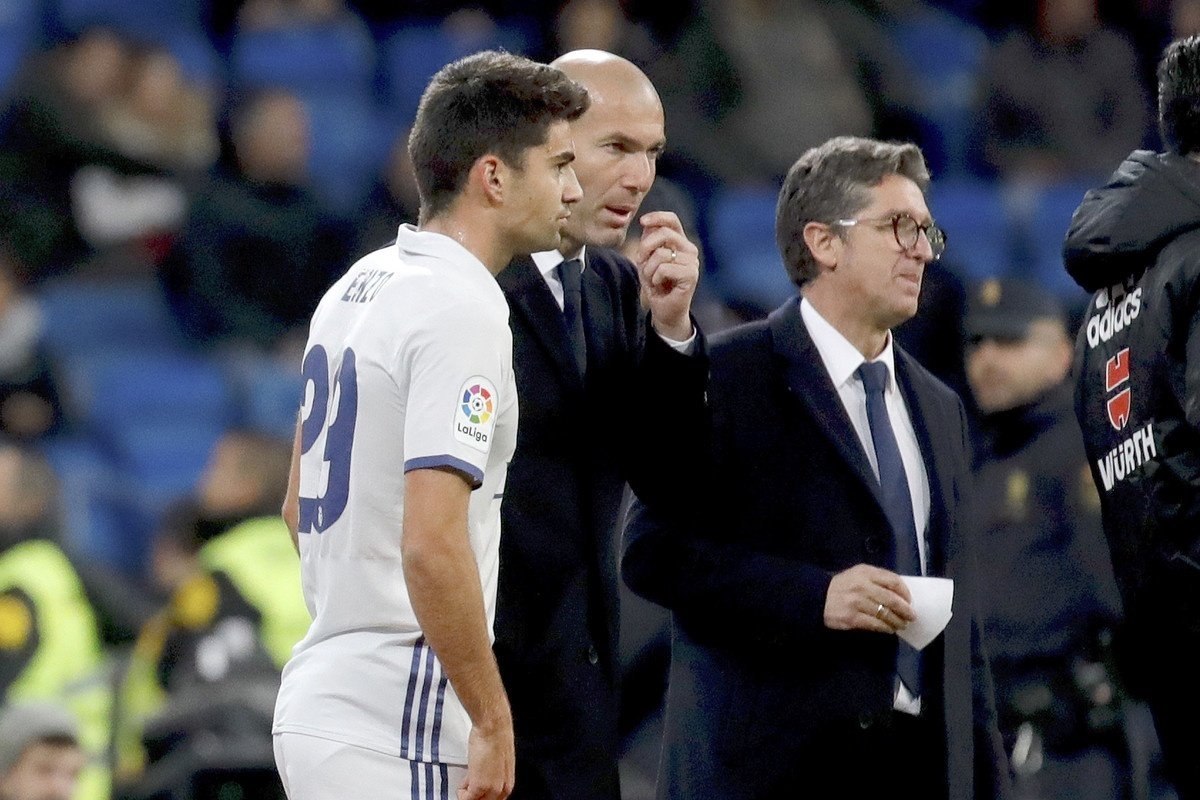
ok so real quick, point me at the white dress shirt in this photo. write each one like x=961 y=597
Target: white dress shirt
x=842 y=360
x=547 y=263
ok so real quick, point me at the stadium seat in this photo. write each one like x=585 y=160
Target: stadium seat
x=741 y=232
x=164 y=458
x=412 y=55
x=20 y=25
x=350 y=144
x=197 y=59
x=1046 y=228
x=272 y=396
x=132 y=388
x=87 y=317
x=978 y=239
x=336 y=57
x=945 y=55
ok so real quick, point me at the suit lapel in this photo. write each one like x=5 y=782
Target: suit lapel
x=926 y=424
x=531 y=302
x=808 y=380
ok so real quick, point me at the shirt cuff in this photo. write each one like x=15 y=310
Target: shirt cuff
x=686 y=347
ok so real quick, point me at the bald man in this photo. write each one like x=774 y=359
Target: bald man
x=601 y=380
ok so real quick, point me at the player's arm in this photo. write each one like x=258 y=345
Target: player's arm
x=444 y=587
x=291 y=500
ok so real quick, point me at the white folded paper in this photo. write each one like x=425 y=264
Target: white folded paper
x=932 y=599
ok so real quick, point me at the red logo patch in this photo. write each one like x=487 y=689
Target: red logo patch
x=1116 y=373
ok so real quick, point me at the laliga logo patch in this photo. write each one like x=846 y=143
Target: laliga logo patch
x=476 y=414
x=1116 y=373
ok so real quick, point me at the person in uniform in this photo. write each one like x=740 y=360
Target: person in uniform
x=400 y=455
x=1049 y=598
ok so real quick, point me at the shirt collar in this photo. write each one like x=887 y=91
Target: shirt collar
x=840 y=357
x=548 y=260
x=410 y=239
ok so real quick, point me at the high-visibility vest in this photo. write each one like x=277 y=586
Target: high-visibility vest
x=259 y=559
x=68 y=666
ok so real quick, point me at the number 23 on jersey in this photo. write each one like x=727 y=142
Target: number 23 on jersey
x=329 y=414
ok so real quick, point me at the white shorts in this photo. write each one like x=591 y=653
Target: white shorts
x=312 y=768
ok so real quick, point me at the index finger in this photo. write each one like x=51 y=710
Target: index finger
x=661 y=219
x=890 y=580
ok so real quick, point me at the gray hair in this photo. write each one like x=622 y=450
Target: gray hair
x=832 y=182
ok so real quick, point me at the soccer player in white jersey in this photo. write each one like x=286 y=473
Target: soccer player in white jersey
x=408 y=423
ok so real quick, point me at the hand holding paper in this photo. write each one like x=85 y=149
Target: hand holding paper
x=932 y=599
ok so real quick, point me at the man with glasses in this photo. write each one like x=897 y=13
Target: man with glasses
x=833 y=473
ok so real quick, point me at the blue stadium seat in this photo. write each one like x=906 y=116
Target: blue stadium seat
x=978 y=230
x=350 y=143
x=741 y=232
x=945 y=55
x=1046 y=229
x=81 y=468
x=20 y=25
x=197 y=58
x=272 y=397
x=415 y=52
x=86 y=317
x=334 y=57
x=132 y=389
x=164 y=458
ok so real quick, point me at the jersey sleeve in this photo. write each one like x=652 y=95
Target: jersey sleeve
x=455 y=367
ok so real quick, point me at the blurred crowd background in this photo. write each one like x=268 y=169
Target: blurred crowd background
x=181 y=179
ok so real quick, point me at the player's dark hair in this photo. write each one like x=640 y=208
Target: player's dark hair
x=1179 y=96
x=832 y=182
x=491 y=102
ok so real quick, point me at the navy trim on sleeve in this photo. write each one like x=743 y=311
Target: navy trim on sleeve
x=469 y=470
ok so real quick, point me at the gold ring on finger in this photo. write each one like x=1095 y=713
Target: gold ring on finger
x=879 y=611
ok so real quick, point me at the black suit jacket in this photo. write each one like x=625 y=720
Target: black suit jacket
x=790 y=500
x=578 y=441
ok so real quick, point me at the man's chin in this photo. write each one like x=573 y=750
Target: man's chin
x=602 y=236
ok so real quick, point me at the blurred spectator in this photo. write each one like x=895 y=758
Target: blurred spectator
x=50 y=645
x=1185 y=19
x=256 y=252
x=235 y=610
x=65 y=190
x=240 y=539
x=40 y=754
x=1063 y=98
x=160 y=118
x=29 y=401
x=393 y=200
x=775 y=78
x=602 y=25
x=1048 y=586
x=260 y=14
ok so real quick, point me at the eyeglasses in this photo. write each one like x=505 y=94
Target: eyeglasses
x=907 y=231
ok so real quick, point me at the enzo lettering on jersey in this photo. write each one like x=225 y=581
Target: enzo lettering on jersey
x=366 y=285
x=1119 y=307
x=1131 y=453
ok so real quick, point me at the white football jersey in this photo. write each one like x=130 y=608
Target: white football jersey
x=408 y=365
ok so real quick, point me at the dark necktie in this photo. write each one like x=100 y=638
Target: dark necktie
x=570 y=272
x=897 y=503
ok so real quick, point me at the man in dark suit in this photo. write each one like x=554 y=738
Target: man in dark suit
x=835 y=465
x=593 y=372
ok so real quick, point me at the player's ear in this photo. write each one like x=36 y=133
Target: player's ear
x=490 y=173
